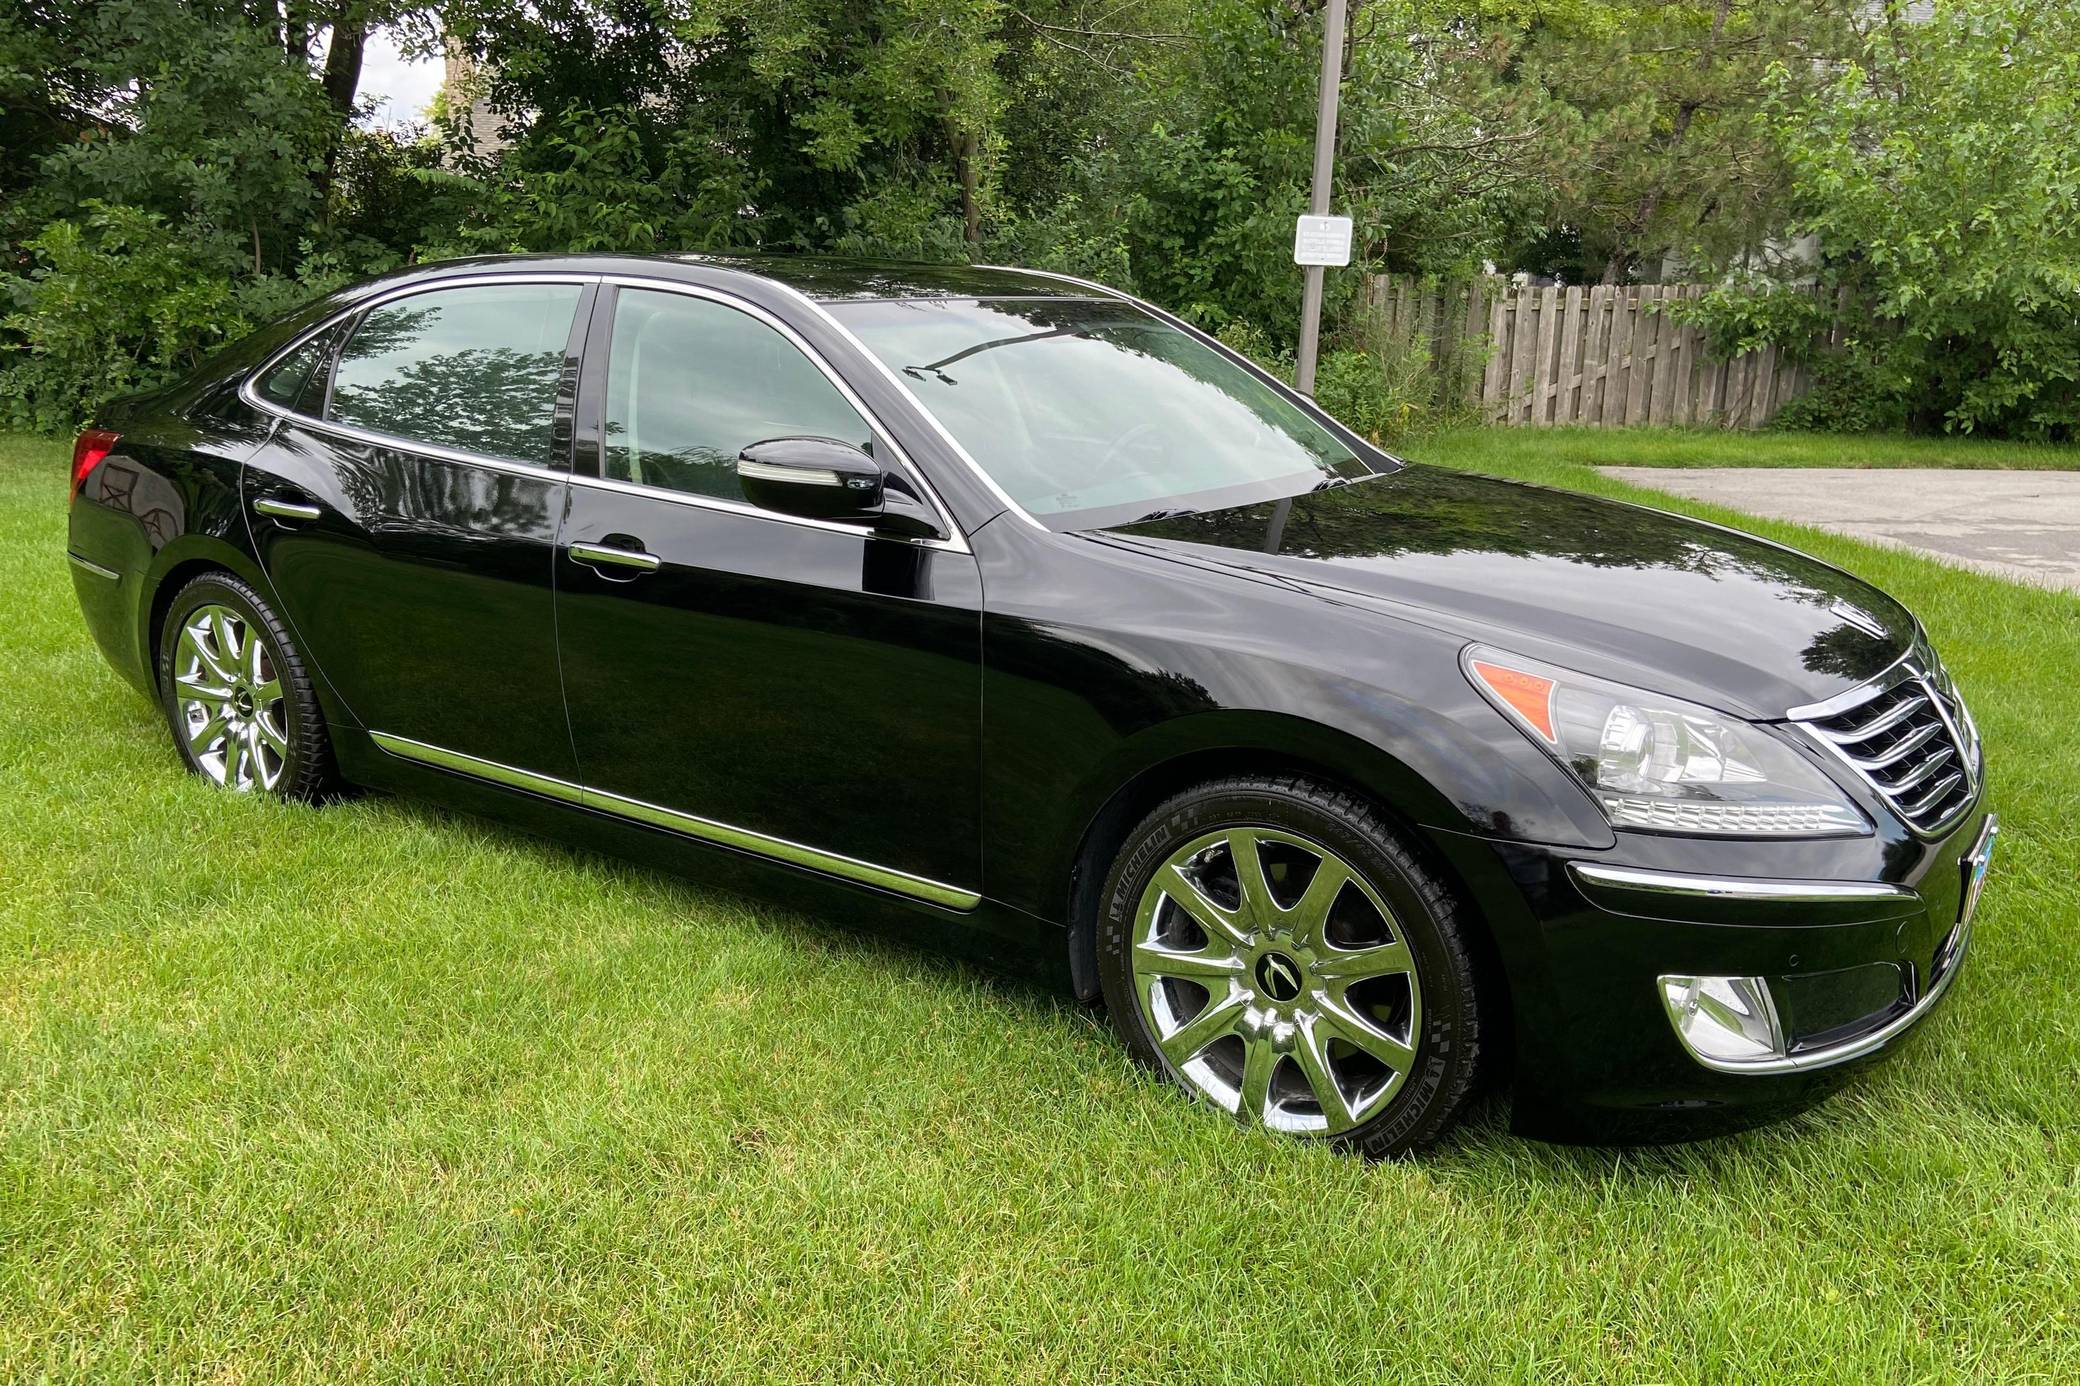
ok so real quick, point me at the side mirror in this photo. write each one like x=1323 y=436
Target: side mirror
x=825 y=479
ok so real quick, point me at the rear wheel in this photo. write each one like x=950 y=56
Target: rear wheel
x=1274 y=947
x=236 y=693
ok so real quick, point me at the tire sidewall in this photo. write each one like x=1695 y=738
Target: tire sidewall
x=1433 y=1092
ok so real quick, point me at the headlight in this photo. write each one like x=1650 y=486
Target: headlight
x=1660 y=763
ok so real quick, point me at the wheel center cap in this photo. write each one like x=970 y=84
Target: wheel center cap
x=243 y=702
x=1278 y=977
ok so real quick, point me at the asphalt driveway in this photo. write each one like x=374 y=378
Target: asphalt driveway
x=2016 y=524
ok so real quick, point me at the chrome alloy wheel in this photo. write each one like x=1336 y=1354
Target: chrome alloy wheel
x=1276 y=981
x=228 y=695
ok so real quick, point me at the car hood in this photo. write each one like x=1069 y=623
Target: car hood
x=1606 y=588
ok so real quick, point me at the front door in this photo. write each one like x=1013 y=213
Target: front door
x=406 y=513
x=799 y=690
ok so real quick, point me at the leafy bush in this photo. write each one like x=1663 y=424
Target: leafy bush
x=1940 y=177
x=1753 y=312
x=1846 y=395
x=119 y=303
x=1382 y=387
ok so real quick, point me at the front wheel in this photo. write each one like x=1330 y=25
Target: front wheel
x=1273 y=946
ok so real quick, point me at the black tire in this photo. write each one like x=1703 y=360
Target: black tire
x=1425 y=913
x=306 y=771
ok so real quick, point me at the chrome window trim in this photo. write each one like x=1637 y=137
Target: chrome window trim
x=1631 y=878
x=88 y=565
x=957 y=544
x=247 y=392
x=956 y=540
x=709 y=830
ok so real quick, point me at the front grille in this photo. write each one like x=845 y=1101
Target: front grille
x=1908 y=734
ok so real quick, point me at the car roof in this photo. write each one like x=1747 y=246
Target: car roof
x=828 y=279
x=821 y=278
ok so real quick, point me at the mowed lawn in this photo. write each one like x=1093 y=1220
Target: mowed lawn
x=375 y=1091
x=1509 y=450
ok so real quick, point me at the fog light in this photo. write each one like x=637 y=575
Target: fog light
x=1724 y=1020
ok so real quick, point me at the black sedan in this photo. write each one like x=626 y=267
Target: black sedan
x=1348 y=784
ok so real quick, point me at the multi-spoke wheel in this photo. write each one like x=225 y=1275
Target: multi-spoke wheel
x=236 y=694
x=229 y=697
x=1276 y=949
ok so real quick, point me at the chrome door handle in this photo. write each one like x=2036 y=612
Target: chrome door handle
x=634 y=559
x=285 y=510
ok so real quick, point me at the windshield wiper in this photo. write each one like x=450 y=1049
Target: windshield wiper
x=938 y=367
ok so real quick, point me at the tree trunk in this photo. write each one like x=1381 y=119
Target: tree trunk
x=971 y=211
x=343 y=57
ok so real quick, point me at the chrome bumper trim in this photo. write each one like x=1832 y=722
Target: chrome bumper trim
x=1949 y=961
x=1597 y=879
x=87 y=565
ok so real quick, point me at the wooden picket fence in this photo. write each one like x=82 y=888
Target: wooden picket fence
x=1581 y=355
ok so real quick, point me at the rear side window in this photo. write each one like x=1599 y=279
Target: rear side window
x=691 y=383
x=473 y=368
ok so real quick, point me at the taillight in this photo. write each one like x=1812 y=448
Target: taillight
x=93 y=445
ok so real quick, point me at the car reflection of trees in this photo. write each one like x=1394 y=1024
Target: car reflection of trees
x=1425 y=510
x=489 y=400
x=146 y=496
x=1130 y=332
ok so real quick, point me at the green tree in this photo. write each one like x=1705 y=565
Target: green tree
x=1942 y=177
x=1656 y=144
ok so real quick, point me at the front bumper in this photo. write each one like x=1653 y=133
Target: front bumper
x=1841 y=1018
x=1607 y=957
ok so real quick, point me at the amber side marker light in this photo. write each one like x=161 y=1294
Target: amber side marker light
x=1529 y=695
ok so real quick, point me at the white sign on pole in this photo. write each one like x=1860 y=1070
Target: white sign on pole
x=1322 y=241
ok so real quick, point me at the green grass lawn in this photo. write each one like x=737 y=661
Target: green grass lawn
x=376 y=1091
x=1511 y=449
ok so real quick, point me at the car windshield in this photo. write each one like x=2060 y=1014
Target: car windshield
x=1089 y=412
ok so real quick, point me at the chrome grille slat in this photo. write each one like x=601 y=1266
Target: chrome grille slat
x=1934 y=796
x=1919 y=773
x=1914 y=741
x=1884 y=721
x=1908 y=736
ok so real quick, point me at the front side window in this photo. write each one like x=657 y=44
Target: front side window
x=692 y=383
x=1092 y=412
x=471 y=368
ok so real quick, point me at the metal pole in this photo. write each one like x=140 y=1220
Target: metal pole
x=1318 y=199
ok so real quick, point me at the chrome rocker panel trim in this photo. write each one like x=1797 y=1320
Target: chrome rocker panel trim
x=705 y=829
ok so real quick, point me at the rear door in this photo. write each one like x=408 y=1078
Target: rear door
x=406 y=509
x=801 y=689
